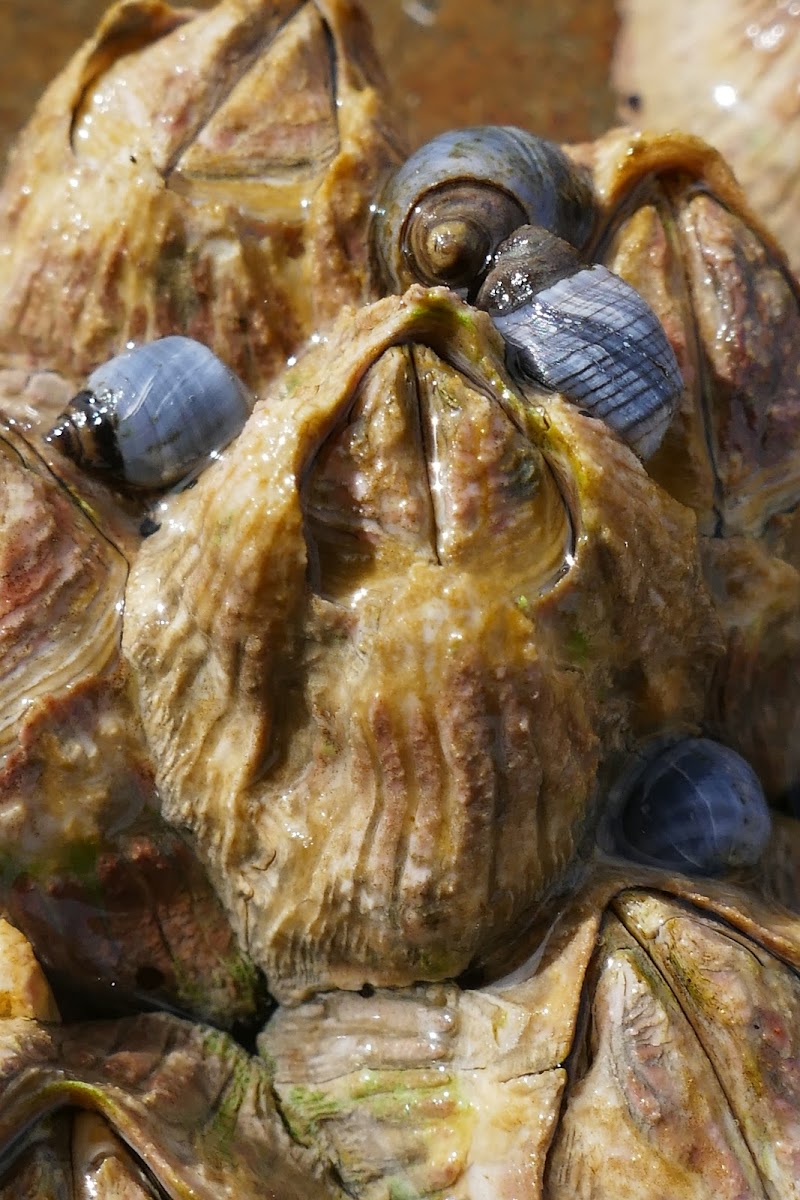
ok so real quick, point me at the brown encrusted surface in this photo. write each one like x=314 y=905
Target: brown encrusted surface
x=536 y=64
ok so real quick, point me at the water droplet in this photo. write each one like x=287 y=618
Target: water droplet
x=424 y=12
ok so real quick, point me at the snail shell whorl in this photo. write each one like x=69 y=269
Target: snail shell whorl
x=694 y=806
x=152 y=416
x=447 y=209
x=584 y=332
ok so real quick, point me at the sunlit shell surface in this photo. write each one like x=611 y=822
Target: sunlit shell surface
x=728 y=72
x=674 y=224
x=207 y=174
x=404 y=529
x=307 y=767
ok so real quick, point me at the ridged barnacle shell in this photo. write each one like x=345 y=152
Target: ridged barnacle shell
x=673 y=222
x=114 y=900
x=727 y=72
x=202 y=173
x=347 y=640
x=655 y=1023
x=173 y=1108
x=63 y=583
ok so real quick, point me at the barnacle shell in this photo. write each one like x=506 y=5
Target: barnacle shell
x=642 y=1029
x=61 y=587
x=674 y=223
x=727 y=72
x=186 y=1100
x=111 y=896
x=201 y=173
x=378 y=666
x=337 y=695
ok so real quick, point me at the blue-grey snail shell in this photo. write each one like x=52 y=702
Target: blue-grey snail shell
x=446 y=210
x=153 y=416
x=694 y=806
x=582 y=331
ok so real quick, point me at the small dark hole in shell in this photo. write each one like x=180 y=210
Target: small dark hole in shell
x=148 y=527
x=149 y=978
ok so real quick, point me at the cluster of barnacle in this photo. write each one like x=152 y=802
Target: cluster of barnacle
x=445 y=684
x=501 y=217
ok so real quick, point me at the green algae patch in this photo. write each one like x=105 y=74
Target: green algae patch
x=578 y=647
x=412 y=1128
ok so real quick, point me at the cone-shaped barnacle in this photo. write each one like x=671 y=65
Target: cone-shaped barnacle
x=443 y=214
x=582 y=331
x=694 y=806
x=153 y=417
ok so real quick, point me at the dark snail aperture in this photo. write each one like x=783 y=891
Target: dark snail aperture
x=446 y=210
x=151 y=417
x=695 y=806
x=584 y=332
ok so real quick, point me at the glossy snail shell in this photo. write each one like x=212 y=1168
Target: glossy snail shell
x=584 y=332
x=694 y=806
x=153 y=416
x=446 y=210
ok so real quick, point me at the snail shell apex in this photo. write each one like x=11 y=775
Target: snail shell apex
x=151 y=417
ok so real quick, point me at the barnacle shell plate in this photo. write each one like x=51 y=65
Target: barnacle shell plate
x=206 y=173
x=338 y=698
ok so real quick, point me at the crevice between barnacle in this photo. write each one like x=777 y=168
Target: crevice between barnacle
x=428 y=452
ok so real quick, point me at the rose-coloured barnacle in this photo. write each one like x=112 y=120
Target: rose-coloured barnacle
x=449 y=206
x=154 y=415
x=693 y=805
x=582 y=331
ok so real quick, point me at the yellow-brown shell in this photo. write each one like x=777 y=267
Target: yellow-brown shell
x=655 y=1024
x=202 y=173
x=675 y=224
x=382 y=648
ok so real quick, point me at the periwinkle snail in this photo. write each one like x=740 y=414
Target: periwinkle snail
x=499 y=215
x=149 y=418
x=694 y=806
x=584 y=332
x=445 y=211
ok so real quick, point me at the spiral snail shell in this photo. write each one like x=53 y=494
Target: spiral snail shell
x=152 y=416
x=446 y=210
x=582 y=331
x=694 y=806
